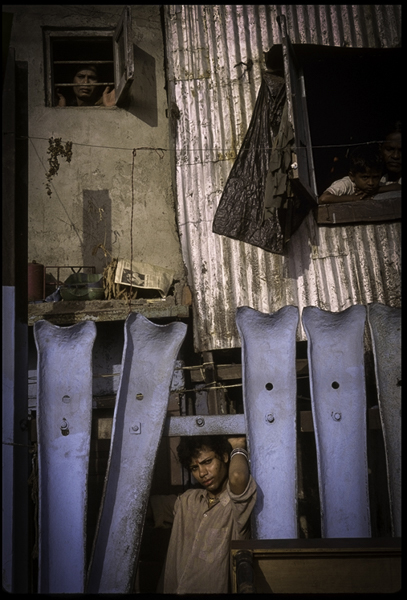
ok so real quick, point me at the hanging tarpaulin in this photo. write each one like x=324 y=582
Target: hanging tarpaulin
x=253 y=204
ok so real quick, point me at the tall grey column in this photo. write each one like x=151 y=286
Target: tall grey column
x=269 y=395
x=149 y=356
x=338 y=397
x=64 y=420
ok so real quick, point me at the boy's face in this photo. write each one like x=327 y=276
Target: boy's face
x=367 y=182
x=210 y=471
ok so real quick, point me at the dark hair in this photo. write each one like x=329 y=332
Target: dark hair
x=396 y=128
x=390 y=127
x=88 y=67
x=365 y=157
x=189 y=447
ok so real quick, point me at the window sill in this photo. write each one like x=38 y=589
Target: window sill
x=373 y=210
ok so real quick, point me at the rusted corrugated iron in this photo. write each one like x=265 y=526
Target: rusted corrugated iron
x=215 y=61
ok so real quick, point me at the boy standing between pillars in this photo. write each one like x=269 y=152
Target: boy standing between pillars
x=205 y=520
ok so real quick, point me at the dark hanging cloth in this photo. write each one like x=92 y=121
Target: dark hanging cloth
x=249 y=210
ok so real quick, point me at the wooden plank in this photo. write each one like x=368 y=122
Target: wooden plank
x=340 y=565
x=318 y=544
x=174 y=426
x=363 y=211
x=205 y=425
x=71 y=312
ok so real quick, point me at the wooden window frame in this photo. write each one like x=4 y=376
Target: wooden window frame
x=122 y=53
x=372 y=210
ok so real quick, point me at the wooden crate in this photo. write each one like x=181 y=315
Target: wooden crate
x=298 y=566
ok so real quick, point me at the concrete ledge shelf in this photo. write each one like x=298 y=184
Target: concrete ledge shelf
x=70 y=312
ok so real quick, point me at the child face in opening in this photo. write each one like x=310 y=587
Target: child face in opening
x=367 y=182
x=391 y=151
x=210 y=471
x=85 y=90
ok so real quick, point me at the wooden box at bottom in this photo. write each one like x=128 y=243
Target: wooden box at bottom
x=352 y=565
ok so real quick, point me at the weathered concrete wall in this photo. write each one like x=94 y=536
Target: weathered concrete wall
x=91 y=196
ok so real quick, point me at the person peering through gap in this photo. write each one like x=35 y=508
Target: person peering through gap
x=366 y=167
x=391 y=153
x=205 y=519
x=86 y=93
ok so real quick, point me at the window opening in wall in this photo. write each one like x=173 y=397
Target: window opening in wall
x=351 y=97
x=95 y=60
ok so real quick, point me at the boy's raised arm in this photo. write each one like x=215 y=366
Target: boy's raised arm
x=239 y=472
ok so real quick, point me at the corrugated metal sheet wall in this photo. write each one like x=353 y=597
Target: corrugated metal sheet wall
x=215 y=95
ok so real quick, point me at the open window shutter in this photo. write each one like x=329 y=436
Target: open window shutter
x=302 y=172
x=123 y=55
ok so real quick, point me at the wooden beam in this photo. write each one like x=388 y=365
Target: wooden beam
x=314 y=566
x=205 y=424
x=362 y=211
x=71 y=312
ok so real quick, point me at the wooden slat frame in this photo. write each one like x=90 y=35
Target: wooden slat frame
x=372 y=210
x=335 y=565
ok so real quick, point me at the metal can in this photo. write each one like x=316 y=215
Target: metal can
x=35 y=281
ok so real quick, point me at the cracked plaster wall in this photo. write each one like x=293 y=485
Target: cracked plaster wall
x=91 y=196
